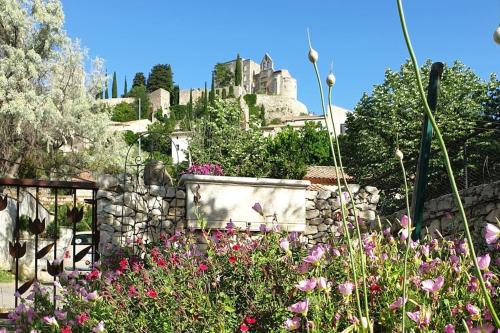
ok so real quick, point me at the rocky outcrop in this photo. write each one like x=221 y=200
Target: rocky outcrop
x=279 y=107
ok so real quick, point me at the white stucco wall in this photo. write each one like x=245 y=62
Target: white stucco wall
x=180 y=144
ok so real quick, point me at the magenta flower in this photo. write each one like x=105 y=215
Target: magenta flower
x=433 y=286
x=491 y=234
x=398 y=303
x=485 y=328
x=472 y=309
x=404 y=221
x=258 y=208
x=292 y=324
x=484 y=261
x=300 y=307
x=421 y=318
x=306 y=285
x=346 y=288
x=449 y=328
x=315 y=255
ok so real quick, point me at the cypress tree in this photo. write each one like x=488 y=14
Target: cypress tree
x=212 y=91
x=139 y=79
x=106 y=94
x=170 y=79
x=238 y=74
x=114 y=87
x=231 y=92
x=224 y=95
x=125 y=88
x=205 y=100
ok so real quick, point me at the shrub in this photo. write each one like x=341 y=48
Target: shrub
x=51 y=231
x=124 y=112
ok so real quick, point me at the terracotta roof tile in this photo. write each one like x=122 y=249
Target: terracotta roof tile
x=322 y=174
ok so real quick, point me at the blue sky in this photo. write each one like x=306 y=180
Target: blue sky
x=362 y=38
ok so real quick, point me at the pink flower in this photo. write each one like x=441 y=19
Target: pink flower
x=433 y=286
x=243 y=328
x=420 y=318
x=292 y=324
x=485 y=328
x=484 y=261
x=306 y=285
x=404 y=221
x=300 y=307
x=258 y=208
x=51 y=321
x=91 y=296
x=449 y=328
x=323 y=284
x=285 y=245
x=472 y=309
x=397 y=303
x=492 y=233
x=202 y=267
x=151 y=293
x=99 y=328
x=82 y=318
x=315 y=255
x=346 y=288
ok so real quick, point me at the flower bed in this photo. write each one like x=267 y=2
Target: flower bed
x=270 y=283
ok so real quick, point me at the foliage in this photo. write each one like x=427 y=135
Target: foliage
x=45 y=105
x=141 y=95
x=220 y=138
x=160 y=77
x=223 y=75
x=139 y=80
x=238 y=73
x=124 y=112
x=248 y=283
x=391 y=116
x=231 y=92
x=6 y=277
x=51 y=231
x=224 y=94
x=250 y=99
x=106 y=91
x=125 y=88
x=114 y=87
x=62 y=218
x=23 y=222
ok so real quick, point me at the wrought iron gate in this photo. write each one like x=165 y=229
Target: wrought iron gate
x=52 y=257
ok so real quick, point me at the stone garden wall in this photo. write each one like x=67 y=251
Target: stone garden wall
x=166 y=209
x=481 y=203
x=323 y=211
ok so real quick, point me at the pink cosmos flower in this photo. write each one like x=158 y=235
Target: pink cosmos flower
x=300 y=307
x=484 y=261
x=491 y=234
x=292 y=324
x=397 y=303
x=420 y=318
x=306 y=285
x=433 y=286
x=449 y=328
x=315 y=255
x=346 y=288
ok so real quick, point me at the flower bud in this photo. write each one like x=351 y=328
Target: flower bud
x=330 y=79
x=399 y=154
x=496 y=35
x=313 y=55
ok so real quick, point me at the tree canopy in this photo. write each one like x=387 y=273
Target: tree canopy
x=391 y=116
x=160 y=77
x=223 y=75
x=139 y=80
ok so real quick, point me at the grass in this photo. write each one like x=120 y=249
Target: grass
x=6 y=276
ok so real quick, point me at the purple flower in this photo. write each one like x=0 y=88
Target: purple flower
x=485 y=328
x=315 y=255
x=398 y=303
x=421 y=318
x=472 y=309
x=285 y=245
x=449 y=328
x=484 y=262
x=99 y=327
x=346 y=288
x=306 y=285
x=91 y=296
x=300 y=307
x=292 y=324
x=51 y=321
x=491 y=234
x=258 y=208
x=323 y=284
x=404 y=221
x=433 y=286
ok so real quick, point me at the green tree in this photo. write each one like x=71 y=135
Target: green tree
x=391 y=116
x=124 y=112
x=238 y=71
x=106 y=92
x=140 y=93
x=224 y=94
x=114 y=87
x=125 y=88
x=231 y=92
x=211 y=96
x=175 y=95
x=139 y=80
x=160 y=77
x=223 y=75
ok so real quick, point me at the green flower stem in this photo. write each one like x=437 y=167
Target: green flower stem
x=407 y=250
x=449 y=170
x=346 y=229
x=355 y=210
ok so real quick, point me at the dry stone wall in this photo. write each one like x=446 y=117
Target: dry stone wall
x=323 y=218
x=481 y=203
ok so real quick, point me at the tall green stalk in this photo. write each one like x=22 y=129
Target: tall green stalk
x=408 y=240
x=313 y=59
x=449 y=170
x=355 y=210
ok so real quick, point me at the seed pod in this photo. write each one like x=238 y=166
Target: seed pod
x=496 y=35
x=313 y=55
x=399 y=154
x=330 y=79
